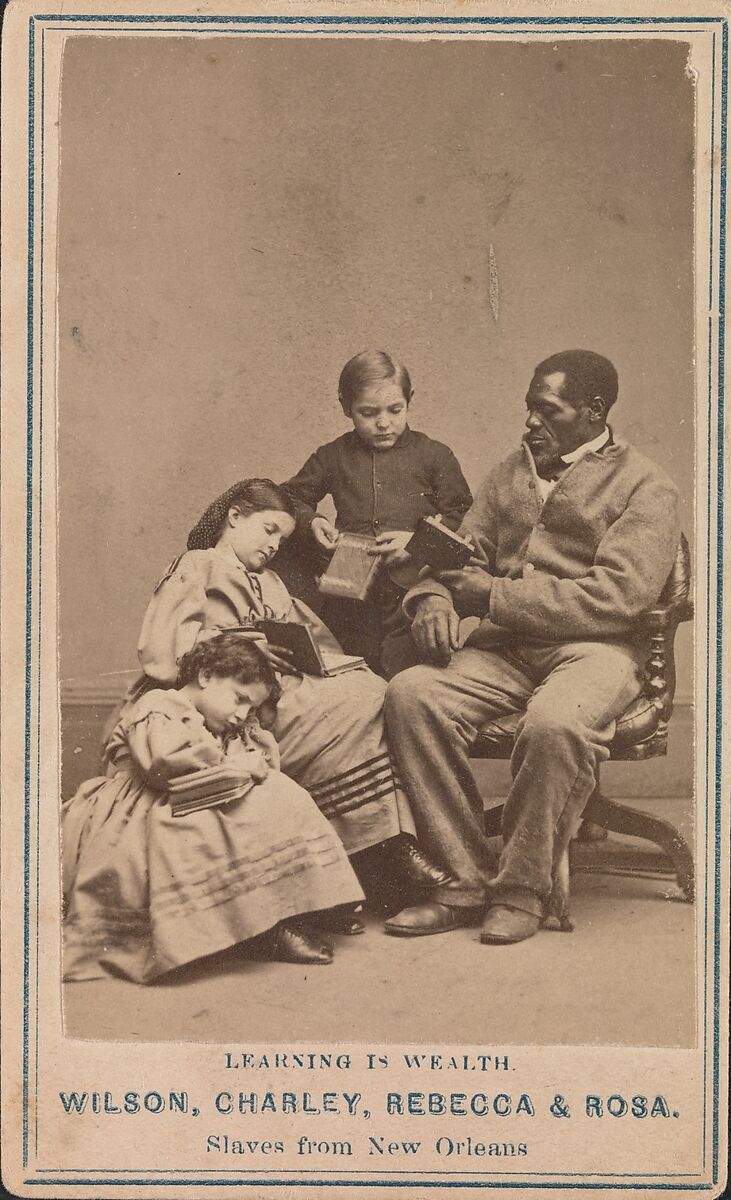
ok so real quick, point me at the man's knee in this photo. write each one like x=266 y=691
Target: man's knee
x=554 y=732
x=550 y=723
x=411 y=690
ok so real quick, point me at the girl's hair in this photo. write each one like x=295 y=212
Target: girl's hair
x=367 y=368
x=250 y=495
x=229 y=655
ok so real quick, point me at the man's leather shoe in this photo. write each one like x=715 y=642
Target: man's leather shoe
x=432 y=917
x=504 y=925
x=412 y=865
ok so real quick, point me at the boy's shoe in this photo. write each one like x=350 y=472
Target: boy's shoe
x=413 y=866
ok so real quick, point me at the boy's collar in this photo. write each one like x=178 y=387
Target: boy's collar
x=405 y=438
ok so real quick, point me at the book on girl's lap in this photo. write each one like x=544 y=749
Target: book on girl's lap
x=353 y=570
x=206 y=788
x=306 y=655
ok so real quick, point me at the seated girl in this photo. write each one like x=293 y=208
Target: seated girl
x=329 y=729
x=147 y=890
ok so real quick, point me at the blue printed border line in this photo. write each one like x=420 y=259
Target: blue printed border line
x=447 y=26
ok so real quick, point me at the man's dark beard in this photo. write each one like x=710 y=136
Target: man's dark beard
x=548 y=462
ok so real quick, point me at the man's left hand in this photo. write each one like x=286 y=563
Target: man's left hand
x=470 y=588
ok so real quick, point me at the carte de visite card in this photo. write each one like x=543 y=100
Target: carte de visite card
x=207 y=211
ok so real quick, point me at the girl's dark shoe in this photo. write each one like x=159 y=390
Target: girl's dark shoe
x=295 y=944
x=339 y=920
x=412 y=865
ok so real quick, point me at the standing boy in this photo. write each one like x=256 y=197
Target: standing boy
x=383 y=477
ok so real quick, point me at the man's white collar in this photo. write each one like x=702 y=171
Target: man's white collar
x=587 y=448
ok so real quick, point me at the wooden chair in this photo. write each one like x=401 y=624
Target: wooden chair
x=642 y=732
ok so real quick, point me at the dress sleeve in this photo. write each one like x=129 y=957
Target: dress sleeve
x=164 y=746
x=453 y=495
x=174 y=618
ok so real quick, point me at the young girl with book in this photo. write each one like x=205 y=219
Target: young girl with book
x=195 y=841
x=383 y=477
x=329 y=729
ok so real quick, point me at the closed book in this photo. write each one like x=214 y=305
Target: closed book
x=435 y=545
x=181 y=808
x=206 y=788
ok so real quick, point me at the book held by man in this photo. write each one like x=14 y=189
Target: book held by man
x=435 y=545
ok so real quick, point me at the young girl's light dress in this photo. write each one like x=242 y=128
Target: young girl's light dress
x=329 y=730
x=146 y=891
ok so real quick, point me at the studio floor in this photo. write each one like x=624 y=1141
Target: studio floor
x=624 y=976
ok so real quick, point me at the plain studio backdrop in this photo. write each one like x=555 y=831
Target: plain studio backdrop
x=240 y=215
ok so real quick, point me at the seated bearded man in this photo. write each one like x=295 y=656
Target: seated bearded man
x=575 y=533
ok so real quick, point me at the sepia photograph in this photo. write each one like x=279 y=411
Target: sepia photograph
x=390 y=278
x=369 y=680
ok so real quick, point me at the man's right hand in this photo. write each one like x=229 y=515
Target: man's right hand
x=435 y=629
x=324 y=534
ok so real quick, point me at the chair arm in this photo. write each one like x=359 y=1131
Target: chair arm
x=659 y=625
x=665 y=620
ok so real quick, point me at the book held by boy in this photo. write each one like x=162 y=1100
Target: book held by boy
x=353 y=570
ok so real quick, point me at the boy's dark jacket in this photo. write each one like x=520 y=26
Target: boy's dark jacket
x=377 y=491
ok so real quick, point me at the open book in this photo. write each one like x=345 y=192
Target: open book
x=352 y=571
x=306 y=655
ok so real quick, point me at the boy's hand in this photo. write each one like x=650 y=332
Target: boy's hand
x=324 y=533
x=435 y=629
x=391 y=547
x=470 y=588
